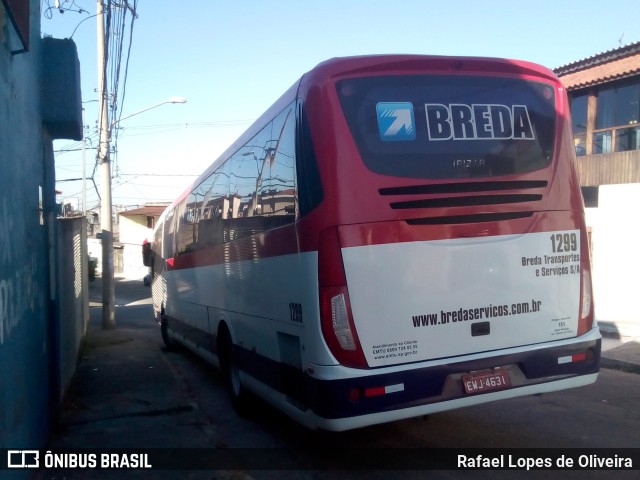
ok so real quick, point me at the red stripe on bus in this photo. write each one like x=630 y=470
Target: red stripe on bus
x=274 y=243
x=285 y=240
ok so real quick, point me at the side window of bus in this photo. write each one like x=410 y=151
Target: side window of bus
x=253 y=191
x=157 y=264
x=278 y=193
x=263 y=179
x=168 y=242
x=185 y=232
x=216 y=207
x=309 y=185
x=213 y=208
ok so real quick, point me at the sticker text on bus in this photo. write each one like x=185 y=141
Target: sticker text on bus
x=478 y=122
x=480 y=313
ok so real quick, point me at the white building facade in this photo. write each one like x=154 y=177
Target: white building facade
x=604 y=92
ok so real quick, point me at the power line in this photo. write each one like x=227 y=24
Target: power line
x=208 y=124
x=159 y=174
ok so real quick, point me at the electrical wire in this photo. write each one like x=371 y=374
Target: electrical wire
x=134 y=16
x=118 y=91
x=62 y=8
x=80 y=23
x=115 y=15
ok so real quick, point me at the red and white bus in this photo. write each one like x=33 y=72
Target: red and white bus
x=395 y=236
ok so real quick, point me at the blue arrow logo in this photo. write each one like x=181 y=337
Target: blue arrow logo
x=396 y=121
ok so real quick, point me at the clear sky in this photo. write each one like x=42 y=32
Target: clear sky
x=232 y=59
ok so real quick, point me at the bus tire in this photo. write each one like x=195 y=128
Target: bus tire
x=229 y=365
x=169 y=342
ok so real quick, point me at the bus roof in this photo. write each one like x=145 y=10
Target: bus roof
x=341 y=66
x=378 y=64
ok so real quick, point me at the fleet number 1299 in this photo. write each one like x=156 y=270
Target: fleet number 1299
x=564 y=242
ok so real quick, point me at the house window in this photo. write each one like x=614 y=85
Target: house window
x=618 y=105
x=579 y=106
x=150 y=222
x=602 y=142
x=617 y=118
x=628 y=139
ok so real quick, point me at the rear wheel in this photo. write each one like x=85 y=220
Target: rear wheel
x=169 y=342
x=240 y=397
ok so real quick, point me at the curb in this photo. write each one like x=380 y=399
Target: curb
x=613 y=364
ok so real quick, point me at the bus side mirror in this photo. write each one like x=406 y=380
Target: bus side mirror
x=146 y=254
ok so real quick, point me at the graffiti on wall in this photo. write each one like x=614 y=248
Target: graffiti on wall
x=6 y=220
x=20 y=291
x=19 y=295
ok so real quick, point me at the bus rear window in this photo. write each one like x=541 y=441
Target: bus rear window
x=450 y=126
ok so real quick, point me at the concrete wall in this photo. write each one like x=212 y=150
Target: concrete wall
x=27 y=201
x=616 y=256
x=72 y=294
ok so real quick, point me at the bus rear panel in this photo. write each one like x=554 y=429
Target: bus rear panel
x=435 y=256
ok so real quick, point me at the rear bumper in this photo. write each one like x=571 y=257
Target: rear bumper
x=401 y=392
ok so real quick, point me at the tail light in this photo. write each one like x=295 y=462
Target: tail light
x=340 y=322
x=336 y=317
x=586 y=305
x=585 y=322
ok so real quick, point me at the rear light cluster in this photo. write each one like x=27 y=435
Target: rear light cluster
x=586 y=304
x=356 y=394
x=586 y=356
x=585 y=307
x=340 y=322
x=336 y=317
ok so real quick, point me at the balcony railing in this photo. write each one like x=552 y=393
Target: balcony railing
x=609 y=168
x=610 y=140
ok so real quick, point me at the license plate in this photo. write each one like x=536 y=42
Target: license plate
x=486 y=381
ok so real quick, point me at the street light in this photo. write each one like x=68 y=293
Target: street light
x=106 y=221
x=168 y=100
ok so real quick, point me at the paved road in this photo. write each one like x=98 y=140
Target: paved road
x=131 y=392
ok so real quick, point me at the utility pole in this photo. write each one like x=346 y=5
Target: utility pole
x=106 y=220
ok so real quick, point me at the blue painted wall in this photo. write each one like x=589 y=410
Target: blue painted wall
x=27 y=198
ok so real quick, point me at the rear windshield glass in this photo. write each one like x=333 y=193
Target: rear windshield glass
x=445 y=126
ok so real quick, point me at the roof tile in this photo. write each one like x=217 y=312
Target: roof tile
x=601 y=73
